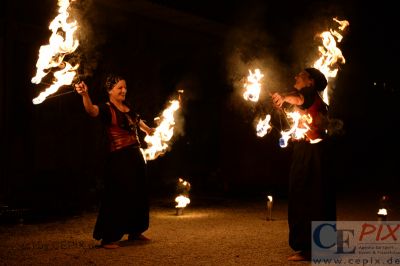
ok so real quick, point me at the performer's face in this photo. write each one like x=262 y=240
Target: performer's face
x=118 y=92
x=302 y=80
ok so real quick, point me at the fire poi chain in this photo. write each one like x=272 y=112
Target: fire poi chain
x=327 y=63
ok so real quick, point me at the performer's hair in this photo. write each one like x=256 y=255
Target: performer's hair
x=111 y=80
x=320 y=80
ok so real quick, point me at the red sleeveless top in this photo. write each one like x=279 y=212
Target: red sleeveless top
x=318 y=112
x=120 y=137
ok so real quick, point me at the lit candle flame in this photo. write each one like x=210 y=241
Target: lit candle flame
x=253 y=86
x=269 y=207
x=61 y=43
x=157 y=143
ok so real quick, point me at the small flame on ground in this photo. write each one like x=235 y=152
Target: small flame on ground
x=181 y=201
x=61 y=43
x=382 y=212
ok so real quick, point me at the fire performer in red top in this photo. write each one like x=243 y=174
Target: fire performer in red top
x=311 y=194
x=124 y=207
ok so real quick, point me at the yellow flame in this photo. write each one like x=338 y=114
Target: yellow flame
x=181 y=201
x=382 y=211
x=184 y=183
x=263 y=126
x=61 y=43
x=157 y=143
x=253 y=86
x=331 y=55
x=62 y=77
x=293 y=131
x=328 y=62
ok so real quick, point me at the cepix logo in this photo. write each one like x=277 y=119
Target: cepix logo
x=333 y=239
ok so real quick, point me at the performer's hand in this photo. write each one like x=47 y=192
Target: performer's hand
x=151 y=131
x=278 y=99
x=81 y=88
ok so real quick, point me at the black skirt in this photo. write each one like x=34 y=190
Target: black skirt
x=124 y=206
x=311 y=192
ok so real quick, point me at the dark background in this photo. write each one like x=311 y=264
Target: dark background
x=52 y=152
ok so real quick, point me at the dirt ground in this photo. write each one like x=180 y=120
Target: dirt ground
x=215 y=232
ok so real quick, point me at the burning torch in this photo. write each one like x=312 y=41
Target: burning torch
x=269 y=207
x=182 y=189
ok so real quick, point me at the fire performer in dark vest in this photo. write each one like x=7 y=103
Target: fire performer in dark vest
x=124 y=207
x=311 y=193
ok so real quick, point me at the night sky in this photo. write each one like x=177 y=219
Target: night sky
x=54 y=150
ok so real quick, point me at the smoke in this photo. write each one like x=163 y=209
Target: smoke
x=179 y=127
x=335 y=127
x=87 y=53
x=317 y=18
x=247 y=49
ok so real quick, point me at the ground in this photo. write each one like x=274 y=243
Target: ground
x=215 y=232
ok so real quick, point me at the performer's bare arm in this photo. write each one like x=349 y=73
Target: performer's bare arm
x=91 y=109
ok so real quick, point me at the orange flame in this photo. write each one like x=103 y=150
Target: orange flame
x=253 y=86
x=263 y=126
x=331 y=55
x=181 y=201
x=157 y=143
x=295 y=131
x=382 y=211
x=61 y=43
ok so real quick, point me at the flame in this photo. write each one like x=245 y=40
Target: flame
x=264 y=126
x=157 y=143
x=382 y=212
x=328 y=62
x=61 y=43
x=328 y=65
x=253 y=86
x=269 y=198
x=184 y=183
x=286 y=135
x=181 y=201
x=331 y=55
x=62 y=77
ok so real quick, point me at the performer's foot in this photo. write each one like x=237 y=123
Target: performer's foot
x=300 y=256
x=110 y=245
x=138 y=237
